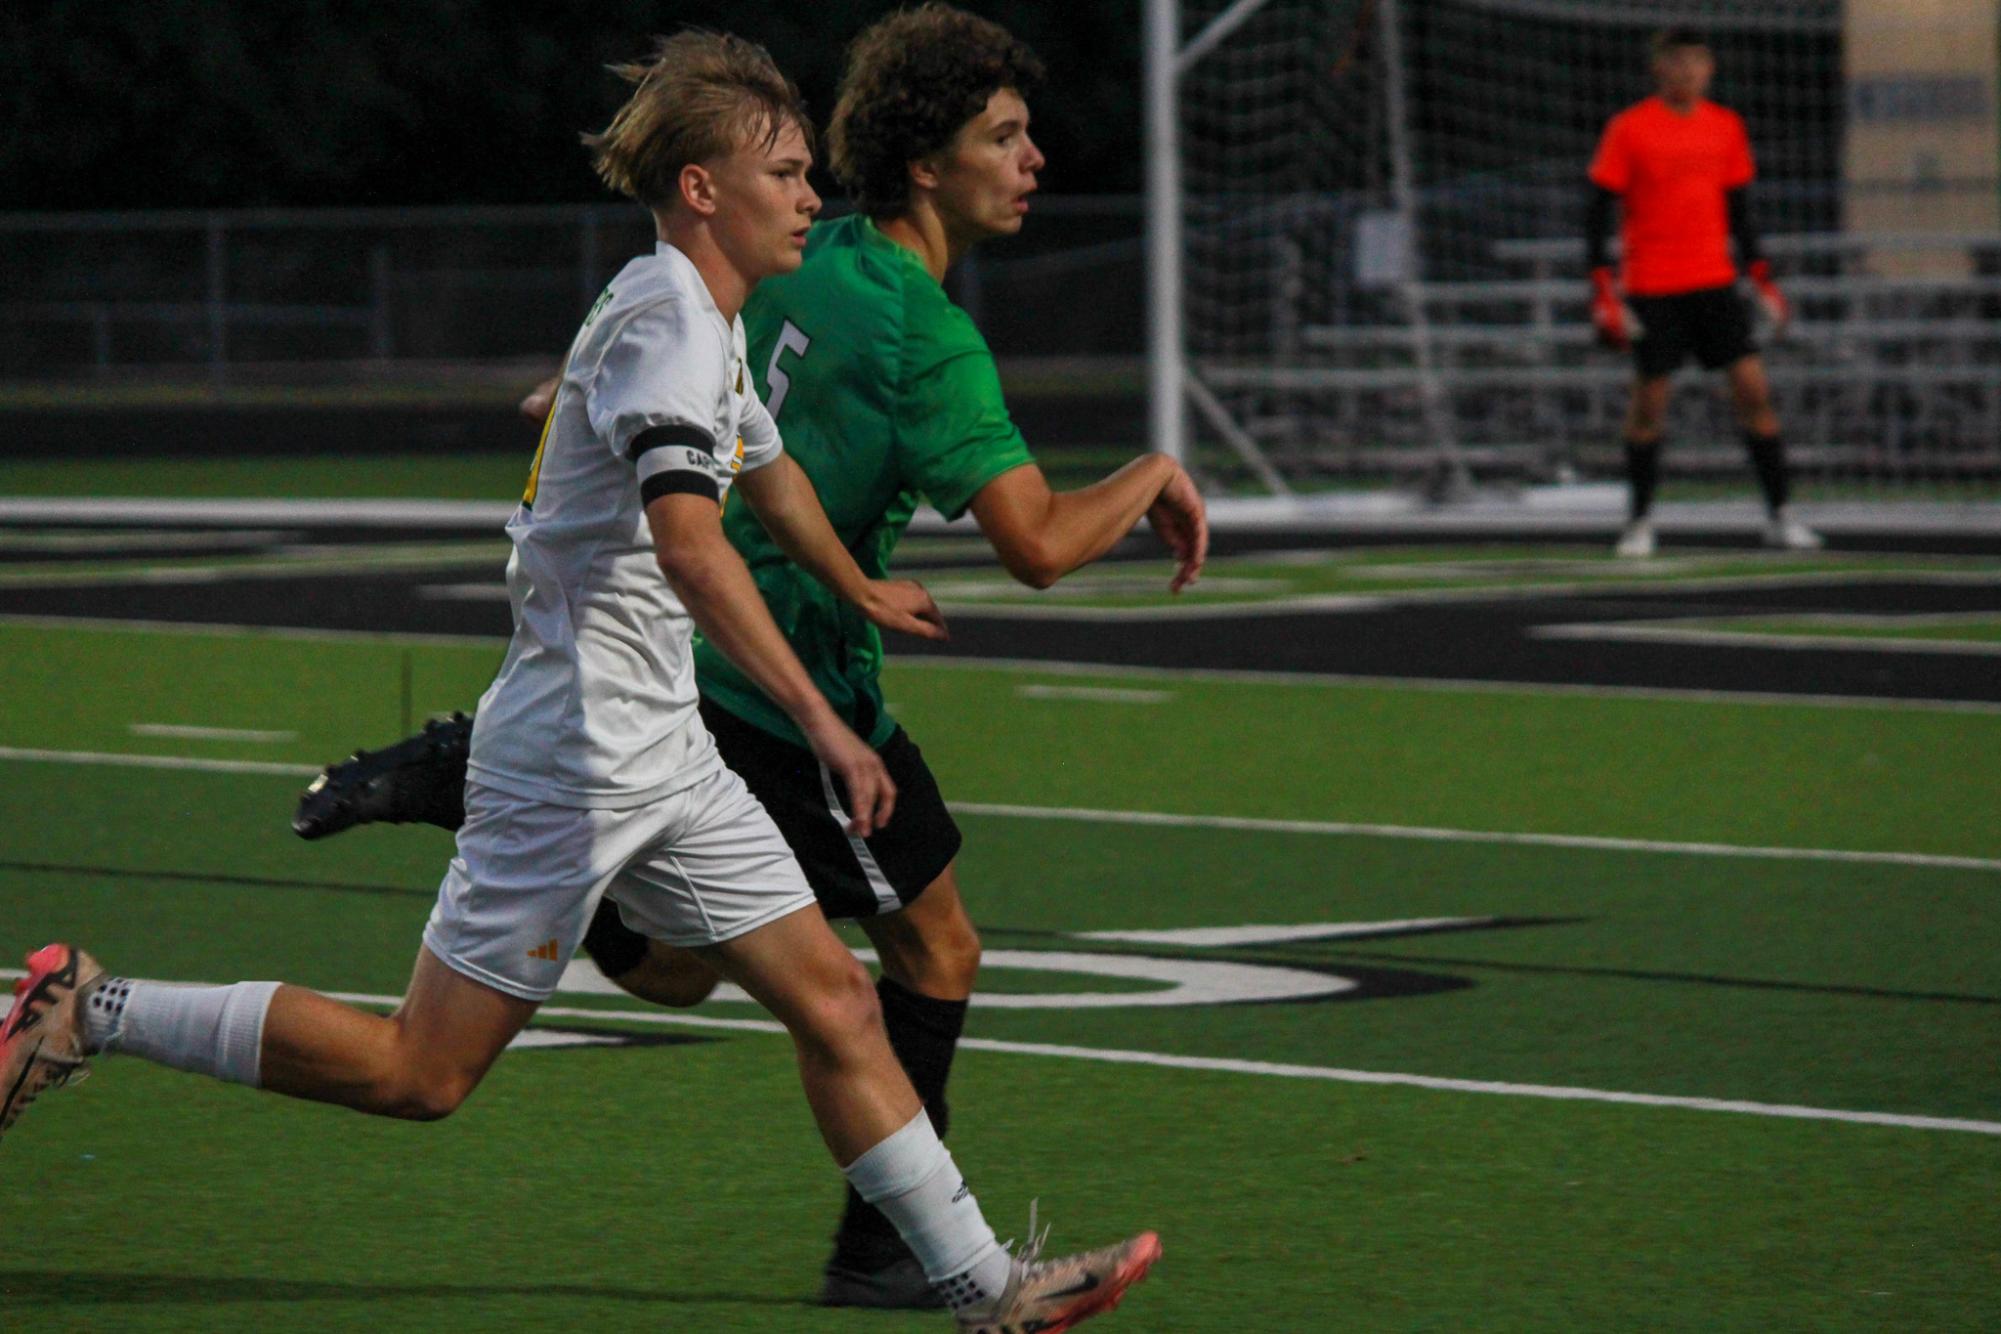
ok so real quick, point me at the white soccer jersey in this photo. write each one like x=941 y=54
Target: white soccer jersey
x=594 y=705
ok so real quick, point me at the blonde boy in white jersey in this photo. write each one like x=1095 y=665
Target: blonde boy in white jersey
x=591 y=772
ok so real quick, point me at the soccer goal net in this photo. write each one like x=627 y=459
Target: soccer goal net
x=1368 y=251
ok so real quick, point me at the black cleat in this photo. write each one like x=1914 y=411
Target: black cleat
x=420 y=779
x=897 y=1286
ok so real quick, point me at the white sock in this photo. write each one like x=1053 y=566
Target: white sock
x=911 y=1177
x=215 y=1031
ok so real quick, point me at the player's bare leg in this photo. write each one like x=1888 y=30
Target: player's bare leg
x=871 y=1120
x=930 y=946
x=663 y=974
x=1751 y=397
x=798 y=969
x=930 y=957
x=1646 y=418
x=418 y=1063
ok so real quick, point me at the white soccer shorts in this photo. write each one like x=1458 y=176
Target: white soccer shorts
x=694 y=868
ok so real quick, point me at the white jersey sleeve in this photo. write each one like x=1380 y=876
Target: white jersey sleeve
x=759 y=433
x=652 y=400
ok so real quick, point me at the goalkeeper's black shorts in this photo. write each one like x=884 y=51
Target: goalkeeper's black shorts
x=1713 y=325
x=851 y=877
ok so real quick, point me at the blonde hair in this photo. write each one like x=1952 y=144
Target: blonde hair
x=702 y=96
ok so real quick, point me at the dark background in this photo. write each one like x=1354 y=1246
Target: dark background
x=223 y=103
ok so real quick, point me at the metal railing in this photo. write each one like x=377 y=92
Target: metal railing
x=104 y=293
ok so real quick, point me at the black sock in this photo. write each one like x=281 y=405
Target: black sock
x=1768 y=460
x=924 y=1034
x=1643 y=475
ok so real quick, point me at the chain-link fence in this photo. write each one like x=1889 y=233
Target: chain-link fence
x=108 y=294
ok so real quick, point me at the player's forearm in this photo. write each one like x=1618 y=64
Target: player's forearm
x=1742 y=230
x=785 y=503
x=1080 y=526
x=715 y=587
x=1598 y=227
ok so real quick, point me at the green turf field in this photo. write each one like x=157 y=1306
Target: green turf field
x=1305 y=577
x=500 y=472
x=1849 y=966
x=1970 y=629
x=458 y=475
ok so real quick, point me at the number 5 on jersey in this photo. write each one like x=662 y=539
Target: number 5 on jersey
x=791 y=339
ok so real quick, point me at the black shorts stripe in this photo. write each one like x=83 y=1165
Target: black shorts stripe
x=681 y=482
x=912 y=850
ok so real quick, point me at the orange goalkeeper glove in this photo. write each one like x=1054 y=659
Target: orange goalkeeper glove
x=1610 y=315
x=1777 y=309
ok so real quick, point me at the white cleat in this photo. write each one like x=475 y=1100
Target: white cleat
x=41 y=1040
x=1788 y=534
x=1637 y=542
x=1045 y=1296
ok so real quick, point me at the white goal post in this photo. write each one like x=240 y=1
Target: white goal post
x=1364 y=227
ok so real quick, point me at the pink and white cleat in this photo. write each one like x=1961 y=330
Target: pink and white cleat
x=41 y=1041
x=1045 y=1296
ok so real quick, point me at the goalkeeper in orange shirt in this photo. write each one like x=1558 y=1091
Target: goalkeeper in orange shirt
x=1679 y=165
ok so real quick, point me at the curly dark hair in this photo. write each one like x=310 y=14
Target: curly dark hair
x=913 y=79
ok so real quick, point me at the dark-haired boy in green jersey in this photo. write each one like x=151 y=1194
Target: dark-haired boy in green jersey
x=885 y=393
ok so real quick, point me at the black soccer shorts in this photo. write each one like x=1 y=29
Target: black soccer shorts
x=851 y=877
x=1713 y=325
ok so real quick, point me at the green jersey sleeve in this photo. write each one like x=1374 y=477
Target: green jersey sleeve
x=954 y=434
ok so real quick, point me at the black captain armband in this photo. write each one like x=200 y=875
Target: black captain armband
x=675 y=460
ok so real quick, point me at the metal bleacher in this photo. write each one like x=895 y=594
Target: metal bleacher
x=1889 y=372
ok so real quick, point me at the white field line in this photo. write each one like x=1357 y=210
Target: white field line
x=226 y=631
x=1446 y=685
x=394 y=557
x=1094 y=694
x=123 y=761
x=1282 y=1070
x=1421 y=833
x=494 y=590
x=1219 y=937
x=182 y=731
x=1163 y=819
x=1304 y=603
x=150 y=539
x=1057 y=667
x=479 y=514
x=1662 y=633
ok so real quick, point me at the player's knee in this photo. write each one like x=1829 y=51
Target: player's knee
x=843 y=1008
x=423 y=1095
x=955 y=952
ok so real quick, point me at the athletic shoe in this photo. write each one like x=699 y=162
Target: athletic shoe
x=1789 y=534
x=1051 y=1295
x=1637 y=542
x=897 y=1286
x=419 y=779
x=41 y=1042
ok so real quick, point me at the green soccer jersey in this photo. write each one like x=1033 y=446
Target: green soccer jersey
x=883 y=392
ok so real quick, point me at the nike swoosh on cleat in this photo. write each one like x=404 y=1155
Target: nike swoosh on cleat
x=27 y=1068
x=1084 y=1285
